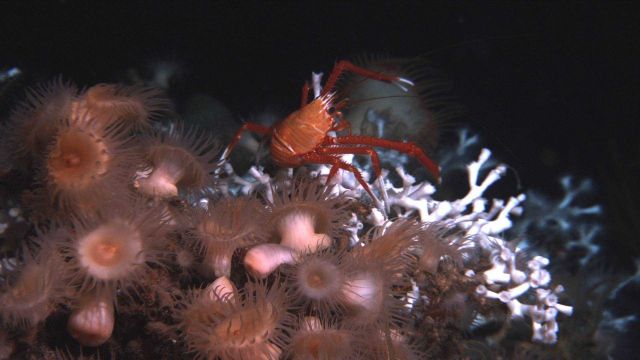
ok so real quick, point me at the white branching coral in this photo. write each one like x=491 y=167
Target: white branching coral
x=566 y=218
x=505 y=283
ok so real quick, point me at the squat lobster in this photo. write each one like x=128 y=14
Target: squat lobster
x=303 y=137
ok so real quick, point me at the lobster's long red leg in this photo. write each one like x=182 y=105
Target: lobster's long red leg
x=252 y=127
x=405 y=147
x=362 y=150
x=344 y=65
x=336 y=164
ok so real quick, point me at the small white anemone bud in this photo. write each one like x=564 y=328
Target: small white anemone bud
x=221 y=289
x=263 y=259
x=305 y=216
x=297 y=231
x=91 y=324
x=364 y=290
x=161 y=182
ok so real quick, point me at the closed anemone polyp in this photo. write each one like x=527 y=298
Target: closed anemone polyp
x=372 y=299
x=307 y=202
x=92 y=322
x=261 y=260
x=163 y=180
x=110 y=251
x=297 y=231
x=365 y=290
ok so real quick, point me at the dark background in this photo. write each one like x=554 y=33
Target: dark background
x=552 y=87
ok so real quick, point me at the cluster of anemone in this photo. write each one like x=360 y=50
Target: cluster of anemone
x=98 y=232
x=128 y=223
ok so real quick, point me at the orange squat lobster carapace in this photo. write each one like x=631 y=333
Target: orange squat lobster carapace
x=303 y=137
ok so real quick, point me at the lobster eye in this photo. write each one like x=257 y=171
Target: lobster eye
x=331 y=110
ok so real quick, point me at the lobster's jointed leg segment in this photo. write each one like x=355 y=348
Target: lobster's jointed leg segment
x=404 y=147
x=344 y=65
x=355 y=150
x=251 y=127
x=336 y=164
